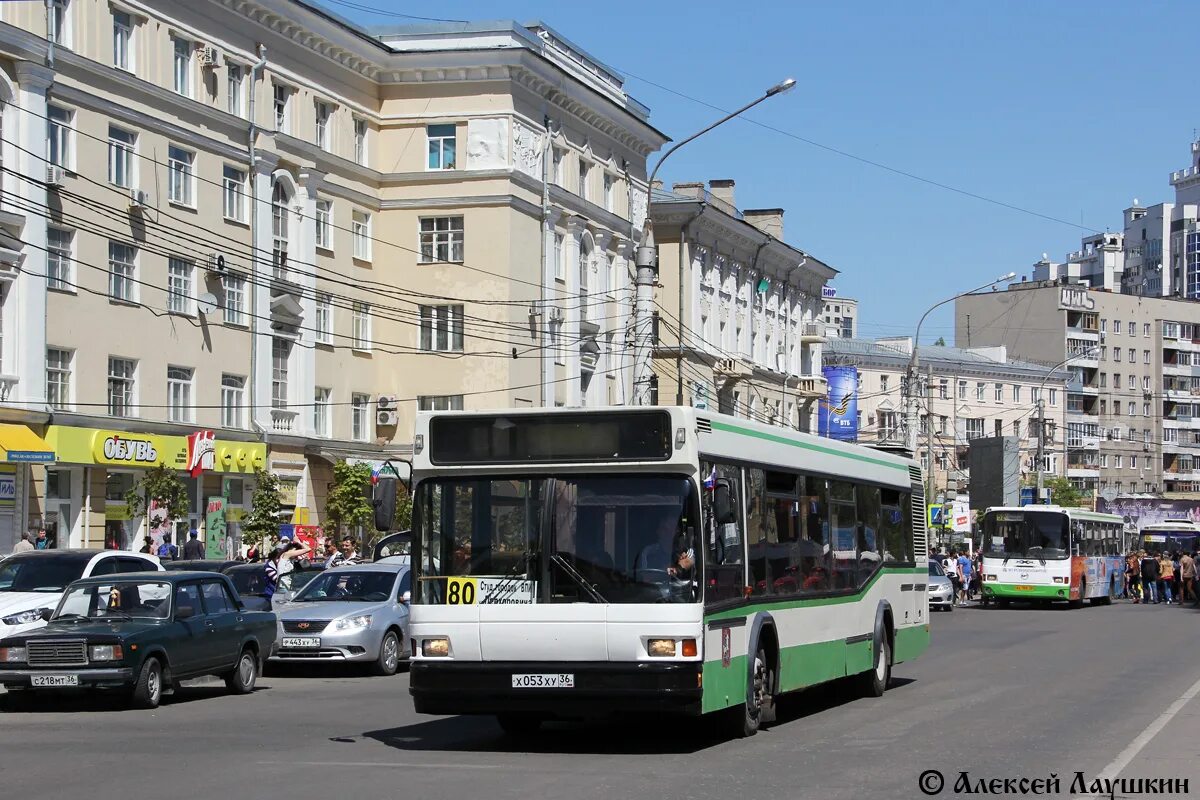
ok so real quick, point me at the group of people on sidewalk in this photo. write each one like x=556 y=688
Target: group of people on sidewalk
x=1154 y=578
x=964 y=571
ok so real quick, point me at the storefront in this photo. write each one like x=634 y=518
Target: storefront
x=20 y=447
x=94 y=470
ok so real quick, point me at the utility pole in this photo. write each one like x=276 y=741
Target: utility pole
x=1041 y=437
x=646 y=262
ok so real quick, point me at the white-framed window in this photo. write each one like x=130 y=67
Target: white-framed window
x=181 y=65
x=1016 y=393
x=281 y=105
x=1118 y=462
x=324 y=224
x=122 y=377
x=962 y=390
x=58 y=24
x=322 y=135
x=1053 y=396
x=60 y=136
x=999 y=392
x=58 y=377
x=979 y=391
x=279 y=231
x=59 y=245
x=233 y=393
x=321 y=404
x=1133 y=329
x=360 y=227
x=179 y=286
x=361 y=326
x=181 y=177
x=1132 y=409
x=234 y=287
x=610 y=199
x=281 y=353
x=442 y=146
x=560 y=268
x=558 y=166
x=122 y=39
x=122 y=267
x=179 y=394
x=445 y=402
x=585 y=179
x=441 y=239
x=1146 y=329
x=360 y=141
x=122 y=145
x=323 y=318
x=233 y=195
x=442 y=328
x=235 y=75
x=360 y=416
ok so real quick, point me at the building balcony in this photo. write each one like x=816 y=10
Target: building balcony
x=283 y=420
x=1176 y=369
x=1081 y=415
x=1089 y=334
x=1083 y=443
x=811 y=333
x=7 y=384
x=1083 y=471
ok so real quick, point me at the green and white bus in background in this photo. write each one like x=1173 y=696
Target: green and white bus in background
x=575 y=563
x=1048 y=553
x=1169 y=536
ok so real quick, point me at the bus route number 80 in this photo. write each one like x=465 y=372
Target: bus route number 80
x=460 y=592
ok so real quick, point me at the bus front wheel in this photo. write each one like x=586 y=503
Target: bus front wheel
x=746 y=719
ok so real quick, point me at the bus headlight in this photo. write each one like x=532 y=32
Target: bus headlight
x=989 y=577
x=435 y=648
x=661 y=648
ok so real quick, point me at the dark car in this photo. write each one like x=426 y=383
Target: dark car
x=250 y=581
x=142 y=633
x=198 y=565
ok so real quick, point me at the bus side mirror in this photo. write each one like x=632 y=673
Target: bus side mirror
x=723 y=501
x=383 y=498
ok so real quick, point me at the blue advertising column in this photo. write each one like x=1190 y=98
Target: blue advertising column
x=838 y=417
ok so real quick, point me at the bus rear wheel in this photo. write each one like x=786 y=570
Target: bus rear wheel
x=1082 y=591
x=874 y=682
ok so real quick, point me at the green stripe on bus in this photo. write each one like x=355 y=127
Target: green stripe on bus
x=1010 y=591
x=910 y=643
x=770 y=437
x=799 y=601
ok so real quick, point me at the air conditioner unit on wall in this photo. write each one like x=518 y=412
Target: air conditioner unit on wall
x=216 y=263
x=385 y=419
x=54 y=175
x=138 y=198
x=210 y=56
x=386 y=402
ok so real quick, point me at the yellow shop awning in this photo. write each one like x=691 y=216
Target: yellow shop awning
x=20 y=445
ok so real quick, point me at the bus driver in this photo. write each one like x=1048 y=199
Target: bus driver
x=665 y=553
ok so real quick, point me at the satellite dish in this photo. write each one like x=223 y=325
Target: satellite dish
x=1109 y=494
x=207 y=303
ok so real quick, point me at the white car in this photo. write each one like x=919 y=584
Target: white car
x=33 y=582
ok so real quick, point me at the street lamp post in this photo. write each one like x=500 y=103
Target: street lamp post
x=647 y=264
x=910 y=405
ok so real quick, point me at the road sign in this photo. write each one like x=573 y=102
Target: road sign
x=937 y=516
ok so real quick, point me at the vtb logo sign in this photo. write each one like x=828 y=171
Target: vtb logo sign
x=118 y=449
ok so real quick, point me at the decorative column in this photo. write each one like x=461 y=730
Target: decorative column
x=599 y=314
x=260 y=283
x=571 y=316
x=548 y=370
x=304 y=242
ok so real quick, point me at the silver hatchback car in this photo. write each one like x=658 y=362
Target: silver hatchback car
x=357 y=613
x=941 y=590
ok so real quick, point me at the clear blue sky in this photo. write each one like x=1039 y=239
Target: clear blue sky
x=1070 y=109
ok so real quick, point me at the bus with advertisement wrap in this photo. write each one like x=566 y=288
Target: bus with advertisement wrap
x=1050 y=554
x=576 y=563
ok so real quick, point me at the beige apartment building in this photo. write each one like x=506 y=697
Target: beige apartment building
x=963 y=395
x=750 y=339
x=1132 y=365
x=251 y=219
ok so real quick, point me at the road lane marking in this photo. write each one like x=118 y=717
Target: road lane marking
x=405 y=765
x=1127 y=755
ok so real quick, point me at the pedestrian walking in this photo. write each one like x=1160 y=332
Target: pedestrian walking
x=42 y=542
x=193 y=549
x=1150 y=574
x=1187 y=577
x=23 y=546
x=166 y=549
x=279 y=563
x=964 y=577
x=1166 y=576
x=1133 y=577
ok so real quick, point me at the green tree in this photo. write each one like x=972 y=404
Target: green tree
x=941 y=342
x=161 y=486
x=349 y=500
x=1063 y=492
x=263 y=520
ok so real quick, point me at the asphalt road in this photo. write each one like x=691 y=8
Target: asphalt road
x=1001 y=693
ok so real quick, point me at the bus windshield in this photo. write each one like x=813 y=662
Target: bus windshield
x=590 y=539
x=1043 y=535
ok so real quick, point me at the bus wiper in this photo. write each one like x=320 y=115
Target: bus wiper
x=517 y=571
x=579 y=579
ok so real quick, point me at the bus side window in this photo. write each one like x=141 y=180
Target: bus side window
x=893 y=532
x=724 y=577
x=868 y=532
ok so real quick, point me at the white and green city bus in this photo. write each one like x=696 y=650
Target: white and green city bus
x=1048 y=553
x=572 y=563
x=1169 y=536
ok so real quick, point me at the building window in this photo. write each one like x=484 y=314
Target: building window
x=1118 y=462
x=179 y=394
x=179 y=286
x=442 y=328
x=943 y=389
x=1133 y=460
x=279 y=231
x=1117 y=354
x=323 y=111
x=360 y=226
x=121 y=377
x=1132 y=356
x=321 y=397
x=998 y=391
x=1117 y=380
x=1146 y=329
x=234 y=287
x=1016 y=428
x=1053 y=397
x=234 y=76
x=1145 y=356
x=182 y=66
x=323 y=318
x=560 y=269
x=60 y=136
x=324 y=224
x=360 y=141
x=558 y=168
x=121 y=144
x=974 y=427
x=233 y=390
x=979 y=391
x=443 y=145
x=281 y=98
x=58 y=378
x=441 y=239
x=883 y=384
x=180 y=175
x=58 y=259
x=962 y=390
x=1117 y=327
x=122 y=35
x=1132 y=409
x=1103 y=461
x=281 y=353
x=122 y=263
x=233 y=196
x=58 y=25
x=361 y=326
x=610 y=201
x=453 y=402
x=360 y=409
